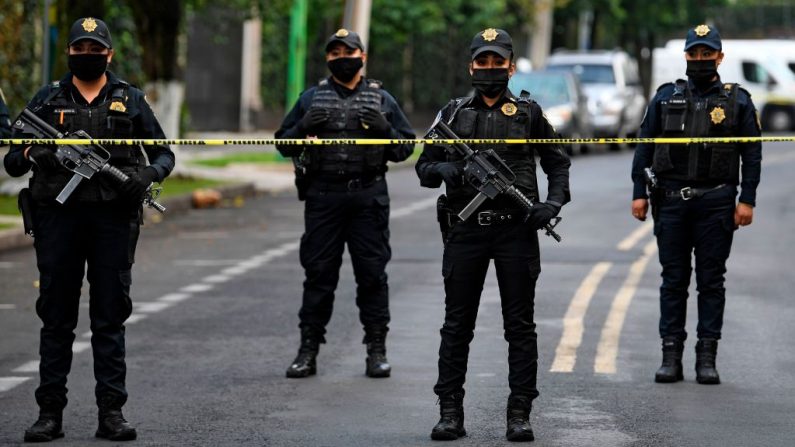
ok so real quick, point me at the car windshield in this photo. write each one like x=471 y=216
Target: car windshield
x=548 y=90
x=588 y=73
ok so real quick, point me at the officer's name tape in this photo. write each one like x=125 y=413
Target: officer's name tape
x=385 y=141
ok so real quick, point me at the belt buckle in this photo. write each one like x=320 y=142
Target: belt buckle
x=354 y=184
x=687 y=193
x=484 y=218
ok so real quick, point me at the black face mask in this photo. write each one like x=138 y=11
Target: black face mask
x=702 y=72
x=88 y=67
x=490 y=82
x=345 y=68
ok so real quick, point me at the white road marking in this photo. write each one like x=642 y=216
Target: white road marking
x=8 y=306
x=7 y=383
x=193 y=288
x=80 y=346
x=152 y=307
x=413 y=208
x=629 y=242
x=485 y=375
x=175 y=297
x=215 y=279
x=204 y=235
x=29 y=367
x=607 y=350
x=206 y=262
x=134 y=318
x=573 y=328
x=238 y=267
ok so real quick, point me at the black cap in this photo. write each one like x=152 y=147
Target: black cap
x=349 y=38
x=703 y=35
x=92 y=29
x=495 y=40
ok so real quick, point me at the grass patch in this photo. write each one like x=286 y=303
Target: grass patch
x=241 y=157
x=6 y=226
x=8 y=205
x=175 y=186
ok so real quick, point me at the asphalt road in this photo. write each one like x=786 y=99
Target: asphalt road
x=215 y=325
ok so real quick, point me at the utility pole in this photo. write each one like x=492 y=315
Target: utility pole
x=542 y=33
x=357 y=18
x=296 y=60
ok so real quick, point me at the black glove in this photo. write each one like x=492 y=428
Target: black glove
x=135 y=187
x=541 y=214
x=451 y=172
x=45 y=159
x=313 y=119
x=373 y=120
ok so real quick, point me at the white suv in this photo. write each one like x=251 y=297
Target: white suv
x=610 y=80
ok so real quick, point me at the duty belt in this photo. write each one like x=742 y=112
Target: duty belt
x=343 y=185
x=690 y=193
x=498 y=217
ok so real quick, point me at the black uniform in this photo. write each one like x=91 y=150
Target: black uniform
x=96 y=226
x=694 y=212
x=347 y=201
x=496 y=232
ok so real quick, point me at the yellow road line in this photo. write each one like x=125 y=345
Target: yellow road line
x=607 y=350
x=629 y=242
x=566 y=352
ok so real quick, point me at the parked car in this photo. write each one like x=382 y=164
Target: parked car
x=563 y=101
x=611 y=82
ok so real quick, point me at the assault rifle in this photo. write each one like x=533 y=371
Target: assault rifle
x=83 y=160
x=488 y=173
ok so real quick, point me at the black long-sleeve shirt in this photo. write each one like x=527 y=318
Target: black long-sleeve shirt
x=748 y=126
x=553 y=159
x=145 y=126
x=401 y=129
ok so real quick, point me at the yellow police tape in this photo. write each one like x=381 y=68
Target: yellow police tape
x=385 y=141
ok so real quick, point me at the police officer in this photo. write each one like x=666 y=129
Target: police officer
x=346 y=198
x=5 y=122
x=695 y=207
x=97 y=225
x=497 y=231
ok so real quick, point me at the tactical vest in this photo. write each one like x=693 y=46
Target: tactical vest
x=512 y=120
x=685 y=115
x=346 y=161
x=108 y=119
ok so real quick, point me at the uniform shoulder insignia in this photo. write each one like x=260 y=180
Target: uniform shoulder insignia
x=667 y=84
x=372 y=83
x=323 y=82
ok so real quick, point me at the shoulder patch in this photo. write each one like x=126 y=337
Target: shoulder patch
x=323 y=82
x=372 y=83
x=667 y=84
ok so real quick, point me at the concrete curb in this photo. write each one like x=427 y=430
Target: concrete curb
x=14 y=238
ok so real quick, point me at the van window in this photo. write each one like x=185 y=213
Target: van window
x=753 y=72
x=792 y=66
x=588 y=73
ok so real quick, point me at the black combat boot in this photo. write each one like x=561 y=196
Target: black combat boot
x=518 y=416
x=47 y=427
x=305 y=364
x=451 y=424
x=377 y=364
x=112 y=424
x=706 y=351
x=671 y=369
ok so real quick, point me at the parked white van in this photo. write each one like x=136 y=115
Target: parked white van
x=763 y=67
